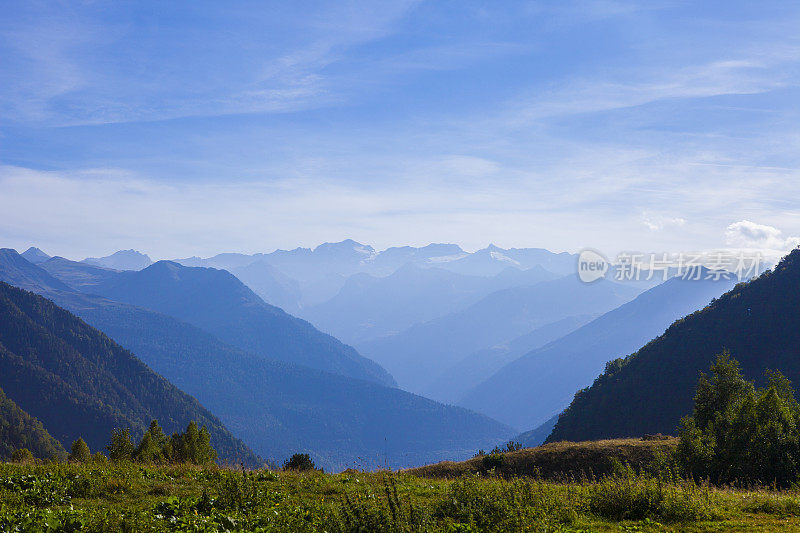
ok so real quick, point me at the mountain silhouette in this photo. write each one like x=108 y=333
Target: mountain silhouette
x=454 y=382
x=368 y=306
x=35 y=255
x=216 y=301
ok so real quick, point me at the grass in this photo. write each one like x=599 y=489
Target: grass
x=67 y=497
x=559 y=461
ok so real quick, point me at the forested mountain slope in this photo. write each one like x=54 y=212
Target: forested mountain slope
x=649 y=391
x=19 y=430
x=80 y=383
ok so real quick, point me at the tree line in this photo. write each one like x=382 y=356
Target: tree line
x=155 y=447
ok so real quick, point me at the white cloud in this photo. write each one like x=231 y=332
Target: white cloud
x=657 y=222
x=747 y=234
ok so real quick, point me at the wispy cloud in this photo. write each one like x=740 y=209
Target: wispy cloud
x=60 y=58
x=717 y=78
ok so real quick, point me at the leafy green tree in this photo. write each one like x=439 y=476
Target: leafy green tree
x=740 y=433
x=717 y=395
x=79 y=452
x=121 y=447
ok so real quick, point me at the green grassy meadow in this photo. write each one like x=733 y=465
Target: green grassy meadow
x=127 y=497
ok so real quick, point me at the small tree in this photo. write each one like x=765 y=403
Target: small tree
x=79 y=452
x=151 y=447
x=192 y=446
x=121 y=447
x=99 y=458
x=22 y=456
x=157 y=433
x=300 y=462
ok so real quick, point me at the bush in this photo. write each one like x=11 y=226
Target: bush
x=493 y=461
x=473 y=504
x=22 y=456
x=299 y=462
x=625 y=495
x=365 y=511
x=245 y=491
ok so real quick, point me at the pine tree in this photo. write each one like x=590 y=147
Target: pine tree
x=121 y=447
x=192 y=446
x=79 y=452
x=151 y=447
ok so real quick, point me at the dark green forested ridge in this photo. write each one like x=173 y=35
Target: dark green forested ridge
x=80 y=383
x=20 y=430
x=650 y=390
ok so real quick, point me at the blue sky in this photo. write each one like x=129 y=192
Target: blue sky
x=200 y=127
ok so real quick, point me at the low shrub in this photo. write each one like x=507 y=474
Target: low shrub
x=299 y=462
x=626 y=495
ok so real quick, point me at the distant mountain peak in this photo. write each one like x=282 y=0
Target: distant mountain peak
x=347 y=244
x=122 y=260
x=446 y=248
x=347 y=249
x=35 y=255
x=167 y=266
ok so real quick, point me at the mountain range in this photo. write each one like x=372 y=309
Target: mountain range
x=462 y=376
x=368 y=306
x=278 y=408
x=216 y=301
x=121 y=260
x=321 y=272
